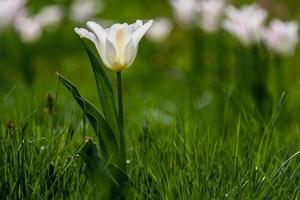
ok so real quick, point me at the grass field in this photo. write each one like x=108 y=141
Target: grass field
x=196 y=126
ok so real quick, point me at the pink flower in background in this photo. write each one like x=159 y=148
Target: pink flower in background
x=245 y=23
x=185 y=11
x=9 y=11
x=29 y=28
x=160 y=29
x=281 y=37
x=50 y=16
x=83 y=10
x=210 y=14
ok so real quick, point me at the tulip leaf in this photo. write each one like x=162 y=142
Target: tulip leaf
x=107 y=139
x=105 y=91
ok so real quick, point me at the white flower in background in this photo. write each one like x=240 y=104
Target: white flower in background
x=281 y=37
x=160 y=29
x=245 y=23
x=29 y=28
x=210 y=12
x=9 y=10
x=82 y=10
x=117 y=45
x=50 y=16
x=185 y=11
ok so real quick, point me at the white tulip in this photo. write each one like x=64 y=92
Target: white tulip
x=245 y=23
x=210 y=13
x=160 y=29
x=281 y=37
x=185 y=11
x=81 y=10
x=50 y=16
x=117 y=45
x=9 y=10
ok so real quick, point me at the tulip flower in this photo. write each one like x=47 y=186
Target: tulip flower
x=210 y=12
x=29 y=28
x=81 y=10
x=160 y=29
x=245 y=23
x=117 y=47
x=281 y=37
x=118 y=44
x=50 y=16
x=9 y=11
x=185 y=11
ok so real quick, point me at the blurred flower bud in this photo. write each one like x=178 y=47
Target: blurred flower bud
x=185 y=11
x=210 y=12
x=9 y=10
x=50 y=16
x=82 y=10
x=281 y=37
x=160 y=29
x=245 y=23
x=29 y=28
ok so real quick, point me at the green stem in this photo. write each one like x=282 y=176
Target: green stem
x=279 y=75
x=120 y=109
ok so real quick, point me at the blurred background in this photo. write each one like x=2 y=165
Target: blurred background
x=192 y=59
x=211 y=103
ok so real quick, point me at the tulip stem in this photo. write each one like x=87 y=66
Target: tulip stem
x=120 y=109
x=120 y=98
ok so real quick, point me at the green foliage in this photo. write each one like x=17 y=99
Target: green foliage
x=106 y=137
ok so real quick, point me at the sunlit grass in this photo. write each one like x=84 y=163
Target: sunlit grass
x=207 y=116
x=175 y=151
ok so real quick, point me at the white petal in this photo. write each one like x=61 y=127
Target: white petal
x=101 y=36
x=91 y=36
x=140 y=32
x=130 y=52
x=122 y=37
x=110 y=54
x=98 y=31
x=119 y=34
x=136 y=25
x=85 y=34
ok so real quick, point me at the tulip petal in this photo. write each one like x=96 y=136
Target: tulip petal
x=86 y=34
x=98 y=31
x=140 y=32
x=136 y=25
x=110 y=53
x=130 y=52
x=94 y=38
x=119 y=35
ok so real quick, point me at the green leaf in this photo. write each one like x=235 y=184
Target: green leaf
x=105 y=91
x=107 y=139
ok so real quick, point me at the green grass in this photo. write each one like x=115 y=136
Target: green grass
x=183 y=145
x=193 y=129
